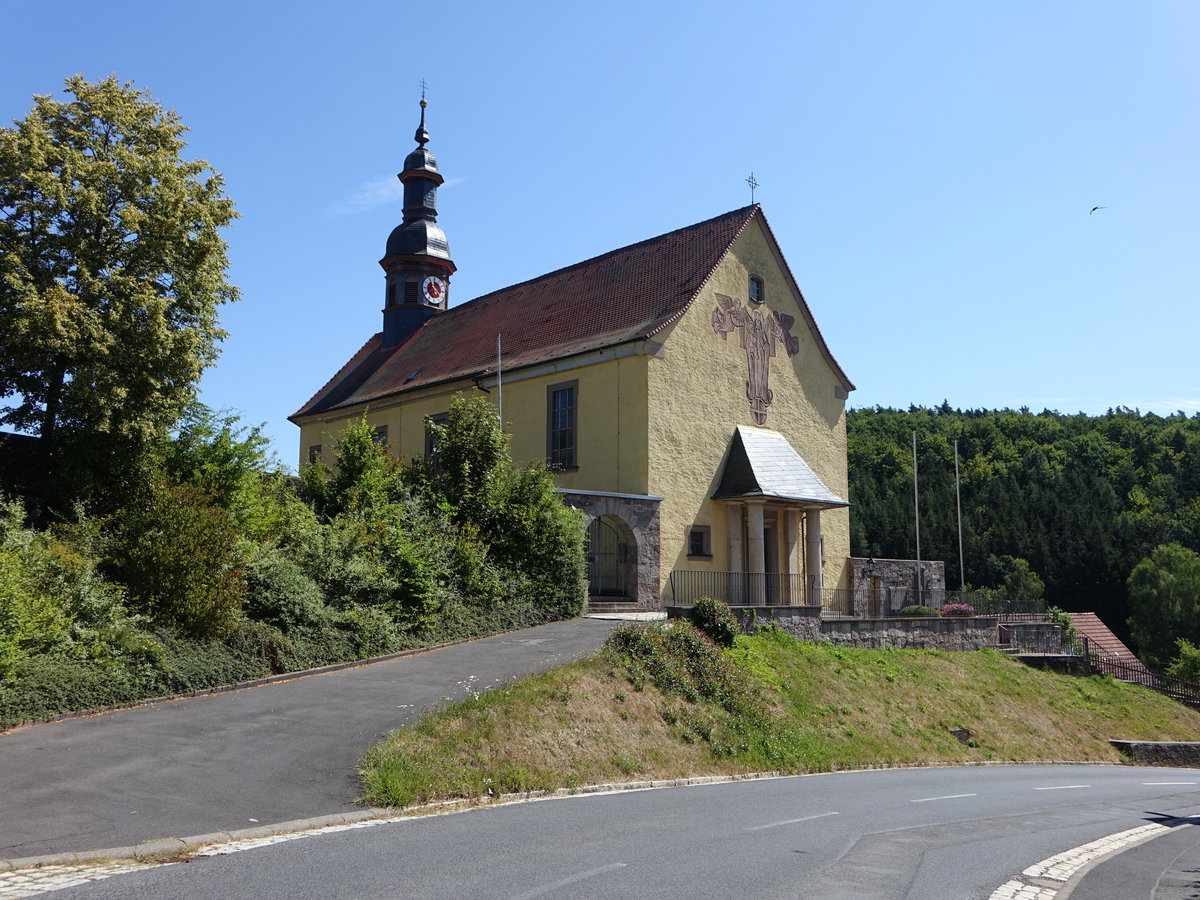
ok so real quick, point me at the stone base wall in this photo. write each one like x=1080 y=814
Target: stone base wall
x=950 y=633
x=1177 y=754
x=806 y=624
x=802 y=622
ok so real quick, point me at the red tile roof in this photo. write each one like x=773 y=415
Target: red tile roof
x=1103 y=641
x=625 y=295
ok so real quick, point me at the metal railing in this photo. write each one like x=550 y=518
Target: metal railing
x=779 y=589
x=1134 y=671
x=743 y=588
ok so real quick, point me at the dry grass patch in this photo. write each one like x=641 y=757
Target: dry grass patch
x=661 y=702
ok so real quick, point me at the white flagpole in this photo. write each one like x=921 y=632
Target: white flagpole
x=499 y=387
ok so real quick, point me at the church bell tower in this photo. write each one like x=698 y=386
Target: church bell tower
x=417 y=259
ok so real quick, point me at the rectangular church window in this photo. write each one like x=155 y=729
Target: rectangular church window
x=561 y=425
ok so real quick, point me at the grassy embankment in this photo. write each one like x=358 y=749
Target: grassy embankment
x=663 y=703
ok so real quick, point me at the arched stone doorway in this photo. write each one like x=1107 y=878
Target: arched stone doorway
x=629 y=531
x=612 y=559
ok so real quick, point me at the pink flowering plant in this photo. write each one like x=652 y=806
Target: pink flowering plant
x=958 y=609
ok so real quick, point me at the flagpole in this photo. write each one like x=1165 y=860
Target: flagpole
x=916 y=501
x=962 y=571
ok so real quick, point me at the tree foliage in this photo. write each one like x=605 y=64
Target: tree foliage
x=1082 y=499
x=1164 y=602
x=112 y=268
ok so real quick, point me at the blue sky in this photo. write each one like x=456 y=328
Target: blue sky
x=928 y=168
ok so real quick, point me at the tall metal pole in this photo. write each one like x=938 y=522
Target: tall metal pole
x=917 y=521
x=962 y=572
x=499 y=387
x=916 y=501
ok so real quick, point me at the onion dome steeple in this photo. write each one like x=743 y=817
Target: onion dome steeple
x=417 y=259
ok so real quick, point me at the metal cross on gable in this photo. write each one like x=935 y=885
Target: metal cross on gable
x=753 y=182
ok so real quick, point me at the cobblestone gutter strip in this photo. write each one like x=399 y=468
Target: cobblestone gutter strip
x=1044 y=880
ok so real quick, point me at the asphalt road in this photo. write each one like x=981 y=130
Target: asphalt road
x=923 y=834
x=229 y=761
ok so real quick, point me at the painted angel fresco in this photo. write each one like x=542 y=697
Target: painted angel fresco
x=759 y=333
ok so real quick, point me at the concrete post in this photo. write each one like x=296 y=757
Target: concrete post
x=733 y=513
x=791 y=556
x=812 y=561
x=756 y=544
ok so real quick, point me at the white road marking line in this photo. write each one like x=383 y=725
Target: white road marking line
x=1063 y=787
x=591 y=873
x=947 y=797
x=791 y=821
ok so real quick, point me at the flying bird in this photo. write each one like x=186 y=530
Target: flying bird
x=1094 y=208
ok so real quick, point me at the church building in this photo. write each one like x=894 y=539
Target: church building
x=678 y=387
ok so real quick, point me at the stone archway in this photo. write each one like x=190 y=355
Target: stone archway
x=611 y=559
x=629 y=530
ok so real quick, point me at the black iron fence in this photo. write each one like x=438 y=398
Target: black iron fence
x=744 y=588
x=783 y=589
x=778 y=589
x=1135 y=672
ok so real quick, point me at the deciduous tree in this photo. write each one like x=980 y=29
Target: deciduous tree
x=1164 y=602
x=112 y=268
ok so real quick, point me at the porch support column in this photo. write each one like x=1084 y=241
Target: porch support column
x=733 y=513
x=756 y=544
x=812 y=556
x=791 y=555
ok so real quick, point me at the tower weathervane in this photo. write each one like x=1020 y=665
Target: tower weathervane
x=753 y=182
x=424 y=88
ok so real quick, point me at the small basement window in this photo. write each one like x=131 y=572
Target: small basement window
x=700 y=542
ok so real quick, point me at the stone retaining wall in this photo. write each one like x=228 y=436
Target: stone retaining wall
x=942 y=633
x=1175 y=754
x=805 y=623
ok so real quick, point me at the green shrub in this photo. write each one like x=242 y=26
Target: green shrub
x=181 y=557
x=53 y=600
x=918 y=611
x=48 y=686
x=679 y=660
x=197 y=664
x=279 y=593
x=714 y=618
x=1063 y=619
x=1186 y=665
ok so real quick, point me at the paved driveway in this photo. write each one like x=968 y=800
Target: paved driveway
x=235 y=760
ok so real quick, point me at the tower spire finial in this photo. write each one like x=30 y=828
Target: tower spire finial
x=422 y=136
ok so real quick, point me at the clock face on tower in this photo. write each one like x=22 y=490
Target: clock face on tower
x=434 y=290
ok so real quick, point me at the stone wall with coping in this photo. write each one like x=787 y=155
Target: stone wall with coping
x=806 y=624
x=941 y=633
x=1176 y=754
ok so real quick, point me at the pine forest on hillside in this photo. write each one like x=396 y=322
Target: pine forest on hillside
x=1083 y=499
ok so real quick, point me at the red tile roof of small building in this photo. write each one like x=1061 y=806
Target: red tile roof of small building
x=1102 y=641
x=628 y=294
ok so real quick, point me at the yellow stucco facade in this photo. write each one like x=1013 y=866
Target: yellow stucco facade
x=655 y=418
x=698 y=394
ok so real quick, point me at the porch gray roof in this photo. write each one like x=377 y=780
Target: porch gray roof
x=762 y=463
